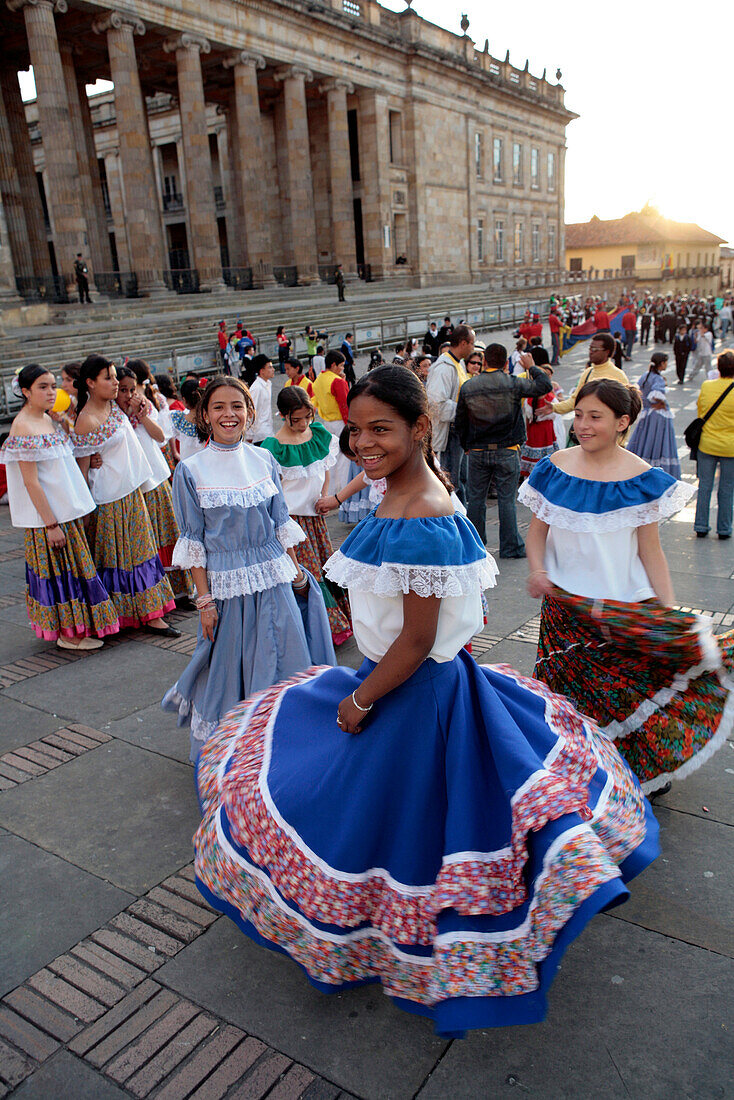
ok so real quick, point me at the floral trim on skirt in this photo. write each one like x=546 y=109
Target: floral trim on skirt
x=531 y=456
x=64 y=595
x=451 y=852
x=658 y=681
x=159 y=502
x=127 y=563
x=312 y=554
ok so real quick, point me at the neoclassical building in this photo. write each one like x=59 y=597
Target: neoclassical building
x=248 y=141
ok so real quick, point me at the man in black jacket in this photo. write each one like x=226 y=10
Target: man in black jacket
x=491 y=428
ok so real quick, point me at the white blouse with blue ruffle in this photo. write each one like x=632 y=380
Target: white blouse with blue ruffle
x=592 y=547
x=383 y=559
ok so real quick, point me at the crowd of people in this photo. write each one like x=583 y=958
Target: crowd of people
x=439 y=826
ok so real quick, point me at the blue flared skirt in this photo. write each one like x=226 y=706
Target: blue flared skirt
x=653 y=438
x=451 y=851
x=356 y=507
x=259 y=639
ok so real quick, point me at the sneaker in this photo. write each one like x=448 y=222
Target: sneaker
x=83 y=644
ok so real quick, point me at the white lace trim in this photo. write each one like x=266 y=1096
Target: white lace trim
x=225 y=584
x=711 y=661
x=636 y=515
x=201 y=729
x=188 y=552
x=60 y=449
x=394 y=578
x=289 y=534
x=223 y=497
x=319 y=467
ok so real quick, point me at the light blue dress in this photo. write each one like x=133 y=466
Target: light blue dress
x=234 y=522
x=653 y=437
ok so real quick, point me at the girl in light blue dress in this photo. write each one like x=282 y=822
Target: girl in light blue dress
x=262 y=617
x=653 y=437
x=440 y=827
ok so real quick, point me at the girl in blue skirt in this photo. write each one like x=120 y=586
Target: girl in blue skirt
x=442 y=828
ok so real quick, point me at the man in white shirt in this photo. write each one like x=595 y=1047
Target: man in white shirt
x=262 y=397
x=319 y=360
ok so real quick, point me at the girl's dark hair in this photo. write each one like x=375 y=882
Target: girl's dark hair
x=291 y=398
x=144 y=377
x=622 y=400
x=402 y=390
x=334 y=358
x=295 y=363
x=165 y=384
x=656 y=361
x=28 y=375
x=725 y=363
x=344 y=444
x=203 y=429
x=91 y=368
x=72 y=369
x=125 y=372
x=190 y=392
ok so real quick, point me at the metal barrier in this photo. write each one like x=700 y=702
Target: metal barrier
x=117 y=284
x=238 y=277
x=286 y=276
x=182 y=280
x=51 y=288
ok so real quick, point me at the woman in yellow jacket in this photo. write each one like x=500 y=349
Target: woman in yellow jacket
x=717 y=448
x=330 y=391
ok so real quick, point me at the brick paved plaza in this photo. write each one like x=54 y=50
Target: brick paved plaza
x=116 y=980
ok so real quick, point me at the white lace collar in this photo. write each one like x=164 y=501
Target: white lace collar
x=241 y=475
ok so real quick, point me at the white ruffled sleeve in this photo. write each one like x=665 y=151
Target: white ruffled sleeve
x=189 y=549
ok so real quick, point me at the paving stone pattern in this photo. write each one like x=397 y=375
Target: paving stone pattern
x=144 y=991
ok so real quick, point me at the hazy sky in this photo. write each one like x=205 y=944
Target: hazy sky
x=653 y=86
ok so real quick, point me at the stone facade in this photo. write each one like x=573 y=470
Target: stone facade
x=275 y=140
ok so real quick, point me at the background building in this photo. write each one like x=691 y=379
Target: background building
x=726 y=262
x=248 y=143
x=652 y=251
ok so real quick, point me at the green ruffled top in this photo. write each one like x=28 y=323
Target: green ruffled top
x=295 y=459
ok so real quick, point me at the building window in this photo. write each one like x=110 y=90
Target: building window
x=396 y=137
x=628 y=263
x=352 y=7
x=516 y=164
x=519 y=242
x=353 y=131
x=497 y=157
x=551 y=171
x=551 y=244
x=534 y=169
x=535 y=239
x=478 y=155
x=499 y=241
x=576 y=264
x=480 y=240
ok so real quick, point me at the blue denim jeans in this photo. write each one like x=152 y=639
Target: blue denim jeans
x=556 y=349
x=725 y=498
x=629 y=341
x=504 y=465
x=452 y=461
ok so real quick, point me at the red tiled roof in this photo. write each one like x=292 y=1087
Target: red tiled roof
x=636 y=228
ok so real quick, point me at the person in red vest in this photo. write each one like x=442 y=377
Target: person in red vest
x=601 y=318
x=554 y=323
x=536 y=328
x=629 y=325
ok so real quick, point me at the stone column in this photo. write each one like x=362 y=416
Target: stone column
x=300 y=185
x=247 y=160
x=117 y=206
x=98 y=210
x=8 y=290
x=65 y=198
x=31 y=227
x=142 y=219
x=99 y=248
x=16 y=243
x=340 y=171
x=204 y=238
x=236 y=235
x=374 y=155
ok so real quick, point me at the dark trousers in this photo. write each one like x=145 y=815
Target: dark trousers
x=681 y=359
x=645 y=330
x=452 y=461
x=82 y=283
x=340 y=288
x=504 y=466
x=282 y=357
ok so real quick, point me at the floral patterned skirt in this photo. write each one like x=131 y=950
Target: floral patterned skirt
x=159 y=502
x=64 y=595
x=312 y=554
x=127 y=562
x=657 y=681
